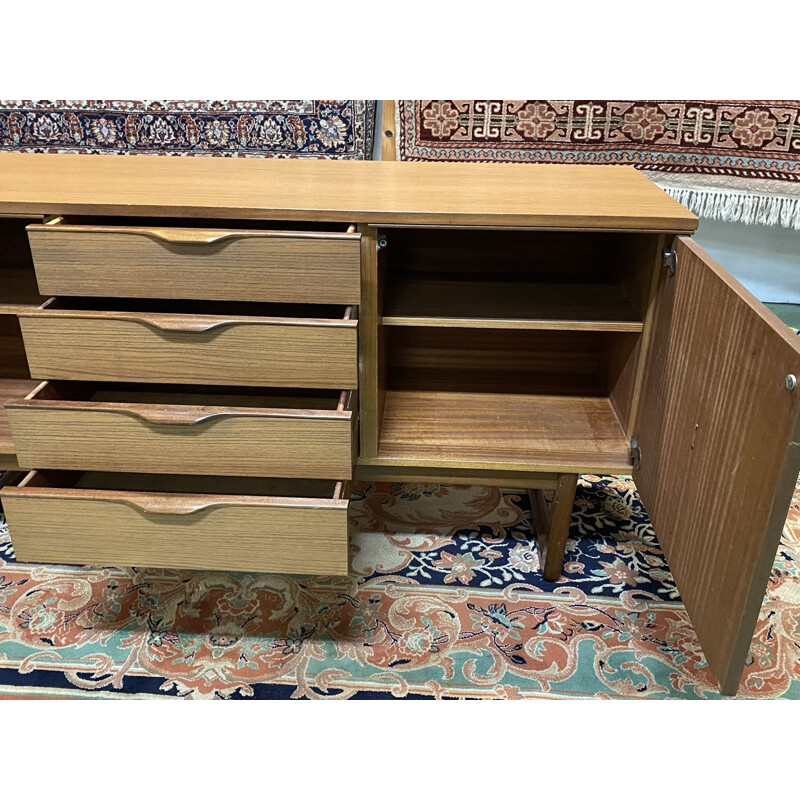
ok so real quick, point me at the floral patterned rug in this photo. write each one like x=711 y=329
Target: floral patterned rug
x=342 y=129
x=444 y=600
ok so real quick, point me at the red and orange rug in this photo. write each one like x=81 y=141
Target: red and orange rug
x=443 y=601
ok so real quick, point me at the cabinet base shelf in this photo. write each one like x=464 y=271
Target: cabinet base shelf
x=507 y=432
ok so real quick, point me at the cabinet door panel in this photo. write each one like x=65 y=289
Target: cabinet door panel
x=720 y=441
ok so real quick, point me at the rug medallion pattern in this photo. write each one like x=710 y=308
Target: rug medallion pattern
x=443 y=601
x=729 y=160
x=753 y=139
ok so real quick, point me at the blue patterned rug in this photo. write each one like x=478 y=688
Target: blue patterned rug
x=443 y=600
x=341 y=129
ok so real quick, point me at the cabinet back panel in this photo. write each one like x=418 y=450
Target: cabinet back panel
x=504 y=361
x=544 y=256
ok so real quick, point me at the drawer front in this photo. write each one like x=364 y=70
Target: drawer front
x=196 y=263
x=294 y=535
x=166 y=348
x=127 y=432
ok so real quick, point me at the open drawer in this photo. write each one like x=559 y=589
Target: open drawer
x=179 y=522
x=206 y=261
x=224 y=344
x=191 y=430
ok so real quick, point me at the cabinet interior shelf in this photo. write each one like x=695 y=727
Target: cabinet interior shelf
x=519 y=305
x=549 y=433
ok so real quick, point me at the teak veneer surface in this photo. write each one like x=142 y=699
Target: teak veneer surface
x=191 y=348
x=196 y=263
x=719 y=432
x=174 y=522
x=476 y=430
x=536 y=195
x=190 y=433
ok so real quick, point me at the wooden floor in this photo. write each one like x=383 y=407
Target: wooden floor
x=520 y=305
x=501 y=431
x=11 y=389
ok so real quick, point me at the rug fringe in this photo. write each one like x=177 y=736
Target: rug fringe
x=733 y=206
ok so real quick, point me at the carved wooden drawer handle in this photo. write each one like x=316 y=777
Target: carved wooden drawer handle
x=172 y=505
x=201 y=236
x=187 y=324
x=179 y=416
x=188 y=416
x=196 y=236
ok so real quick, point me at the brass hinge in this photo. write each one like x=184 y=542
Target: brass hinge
x=669 y=258
x=636 y=452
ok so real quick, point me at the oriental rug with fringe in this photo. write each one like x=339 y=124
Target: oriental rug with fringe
x=731 y=160
x=443 y=600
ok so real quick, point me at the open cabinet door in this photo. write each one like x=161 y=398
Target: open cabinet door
x=720 y=448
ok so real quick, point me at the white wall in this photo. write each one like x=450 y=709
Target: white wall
x=766 y=260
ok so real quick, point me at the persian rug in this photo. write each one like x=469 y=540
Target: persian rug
x=728 y=160
x=342 y=129
x=444 y=600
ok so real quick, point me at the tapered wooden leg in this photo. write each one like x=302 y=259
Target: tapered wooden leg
x=551 y=524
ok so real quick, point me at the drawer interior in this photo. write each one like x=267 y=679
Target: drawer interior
x=186 y=484
x=18 y=289
x=201 y=308
x=216 y=224
x=181 y=395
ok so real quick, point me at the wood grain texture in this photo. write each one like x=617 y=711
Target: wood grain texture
x=196 y=263
x=622 y=368
x=9 y=463
x=514 y=361
x=551 y=519
x=371 y=362
x=637 y=258
x=500 y=254
x=51 y=523
x=381 y=471
x=224 y=435
x=536 y=195
x=483 y=430
x=648 y=297
x=176 y=348
x=388 y=130
x=720 y=456
x=508 y=304
x=11 y=389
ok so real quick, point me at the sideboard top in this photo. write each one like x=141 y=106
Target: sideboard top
x=405 y=193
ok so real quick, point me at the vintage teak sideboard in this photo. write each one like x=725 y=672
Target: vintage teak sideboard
x=199 y=355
